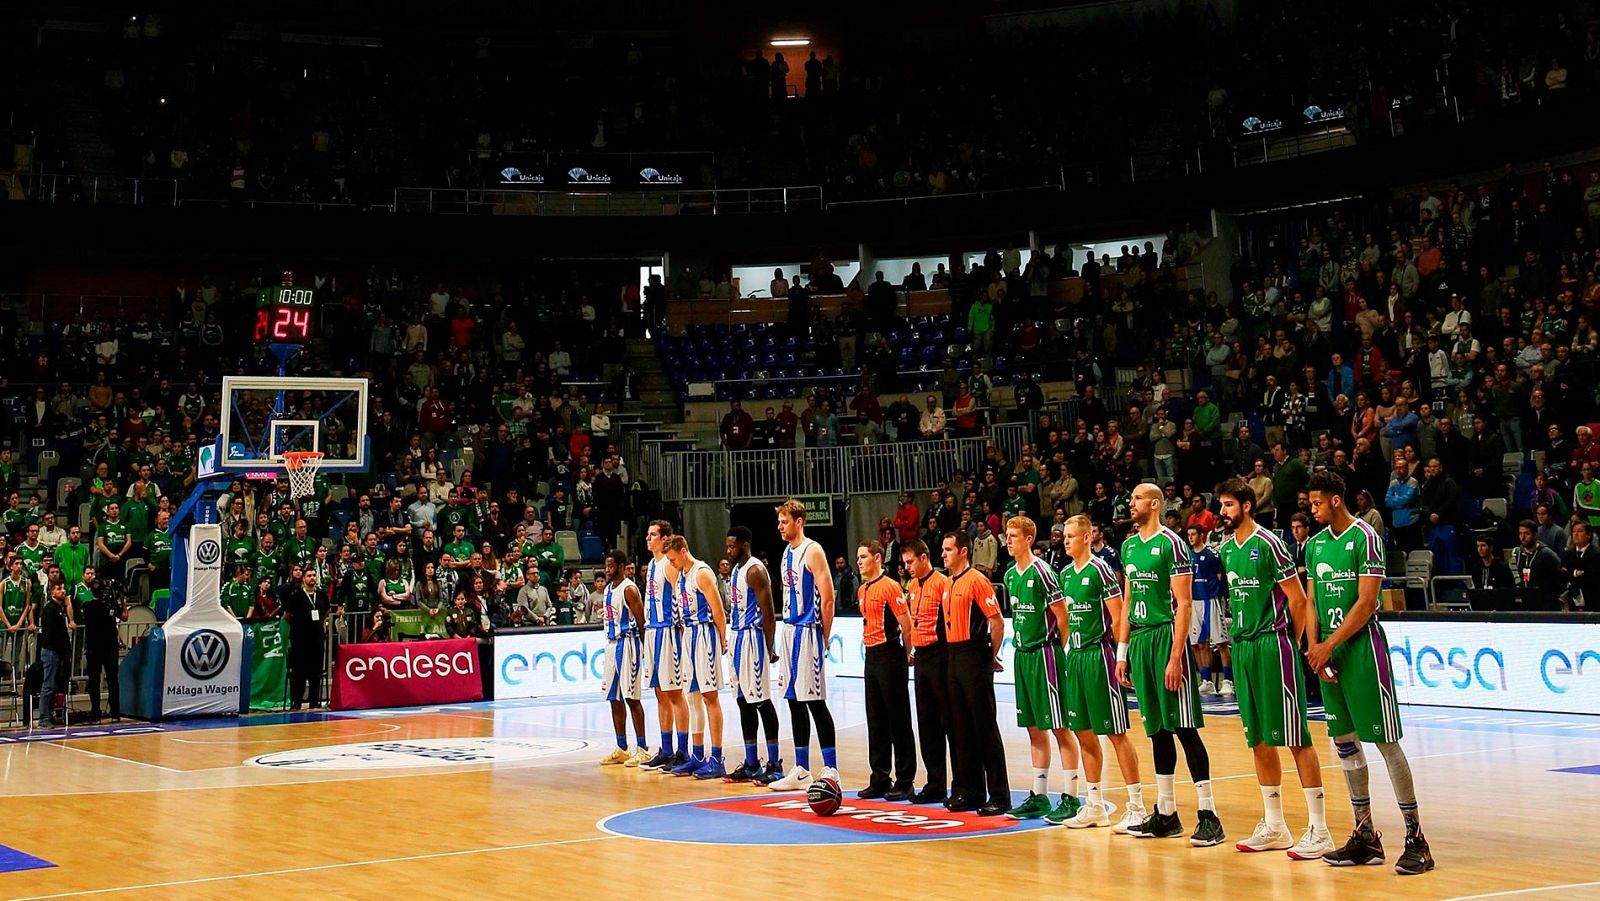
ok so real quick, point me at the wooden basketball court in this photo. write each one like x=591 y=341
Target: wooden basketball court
x=182 y=814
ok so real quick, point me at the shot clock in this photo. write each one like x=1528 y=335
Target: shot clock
x=285 y=315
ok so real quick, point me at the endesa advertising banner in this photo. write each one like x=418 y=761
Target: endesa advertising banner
x=406 y=674
x=1548 y=667
x=602 y=172
x=539 y=665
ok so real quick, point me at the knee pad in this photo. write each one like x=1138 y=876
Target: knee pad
x=1351 y=757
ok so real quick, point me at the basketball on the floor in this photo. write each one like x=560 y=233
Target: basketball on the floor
x=824 y=797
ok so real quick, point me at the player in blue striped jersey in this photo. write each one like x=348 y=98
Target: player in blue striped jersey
x=622 y=610
x=662 y=651
x=803 y=645
x=751 y=618
x=705 y=641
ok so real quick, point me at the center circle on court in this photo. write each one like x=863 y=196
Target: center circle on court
x=420 y=752
x=786 y=819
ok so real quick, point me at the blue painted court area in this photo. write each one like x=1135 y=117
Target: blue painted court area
x=1591 y=770
x=765 y=818
x=14 y=861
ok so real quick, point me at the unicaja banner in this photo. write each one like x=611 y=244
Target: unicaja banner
x=406 y=674
x=205 y=653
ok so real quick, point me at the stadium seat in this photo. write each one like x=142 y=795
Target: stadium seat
x=568 y=540
x=592 y=547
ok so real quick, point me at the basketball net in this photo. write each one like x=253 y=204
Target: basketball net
x=302 y=467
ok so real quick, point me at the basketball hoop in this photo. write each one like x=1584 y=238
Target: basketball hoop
x=302 y=467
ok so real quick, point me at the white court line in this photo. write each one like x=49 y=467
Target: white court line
x=279 y=741
x=153 y=766
x=202 y=880
x=1526 y=891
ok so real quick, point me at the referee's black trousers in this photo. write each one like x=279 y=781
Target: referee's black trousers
x=889 y=716
x=978 y=754
x=933 y=703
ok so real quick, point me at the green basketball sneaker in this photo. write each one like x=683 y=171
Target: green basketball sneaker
x=1033 y=808
x=1066 y=810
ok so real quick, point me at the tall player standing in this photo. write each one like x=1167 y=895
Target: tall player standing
x=1039 y=627
x=705 y=641
x=622 y=610
x=1095 y=703
x=1345 y=562
x=662 y=649
x=803 y=645
x=754 y=630
x=1159 y=667
x=1266 y=600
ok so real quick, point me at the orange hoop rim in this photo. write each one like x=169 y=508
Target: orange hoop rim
x=294 y=461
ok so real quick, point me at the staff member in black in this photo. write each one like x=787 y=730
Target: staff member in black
x=100 y=611
x=307 y=612
x=1581 y=565
x=930 y=656
x=884 y=619
x=55 y=652
x=974 y=629
x=1490 y=571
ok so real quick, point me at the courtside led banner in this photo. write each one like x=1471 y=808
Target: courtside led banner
x=1550 y=667
x=406 y=673
x=544 y=664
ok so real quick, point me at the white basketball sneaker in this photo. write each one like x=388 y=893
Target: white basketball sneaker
x=1131 y=816
x=1312 y=845
x=798 y=780
x=1267 y=838
x=1226 y=689
x=829 y=772
x=1088 y=817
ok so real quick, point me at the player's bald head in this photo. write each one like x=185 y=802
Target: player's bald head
x=1147 y=490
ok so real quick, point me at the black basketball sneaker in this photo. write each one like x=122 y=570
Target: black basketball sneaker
x=744 y=773
x=1417 y=859
x=1364 y=849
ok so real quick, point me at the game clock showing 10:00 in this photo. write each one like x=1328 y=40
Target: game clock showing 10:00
x=284 y=315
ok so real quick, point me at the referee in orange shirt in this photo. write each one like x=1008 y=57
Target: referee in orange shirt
x=974 y=629
x=930 y=656
x=885 y=618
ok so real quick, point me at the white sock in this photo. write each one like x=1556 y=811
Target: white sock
x=1272 y=797
x=1094 y=799
x=1041 y=780
x=1202 y=790
x=1136 y=796
x=1072 y=783
x=1166 y=800
x=1314 y=803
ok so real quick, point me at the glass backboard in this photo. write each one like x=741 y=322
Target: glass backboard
x=265 y=416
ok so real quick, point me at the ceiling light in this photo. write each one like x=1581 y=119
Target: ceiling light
x=791 y=42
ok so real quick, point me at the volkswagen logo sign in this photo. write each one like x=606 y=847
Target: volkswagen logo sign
x=204 y=654
x=209 y=552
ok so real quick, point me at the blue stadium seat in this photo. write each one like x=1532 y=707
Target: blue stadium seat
x=591 y=547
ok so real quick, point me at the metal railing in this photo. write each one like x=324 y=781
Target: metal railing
x=515 y=202
x=91 y=189
x=733 y=476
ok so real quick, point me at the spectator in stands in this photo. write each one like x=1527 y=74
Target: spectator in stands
x=966 y=413
x=736 y=427
x=1580 y=566
x=1536 y=570
x=1550 y=532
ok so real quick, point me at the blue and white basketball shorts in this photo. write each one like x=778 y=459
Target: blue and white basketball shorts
x=662 y=667
x=800 y=662
x=750 y=665
x=620 y=672
x=703 y=658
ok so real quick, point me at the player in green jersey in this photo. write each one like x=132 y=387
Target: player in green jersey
x=1038 y=623
x=1267 y=601
x=1095 y=703
x=1158 y=581
x=1346 y=566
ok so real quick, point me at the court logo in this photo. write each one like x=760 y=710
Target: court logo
x=204 y=654
x=421 y=753
x=209 y=552
x=787 y=820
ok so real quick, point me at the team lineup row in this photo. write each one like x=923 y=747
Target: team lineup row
x=1084 y=637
